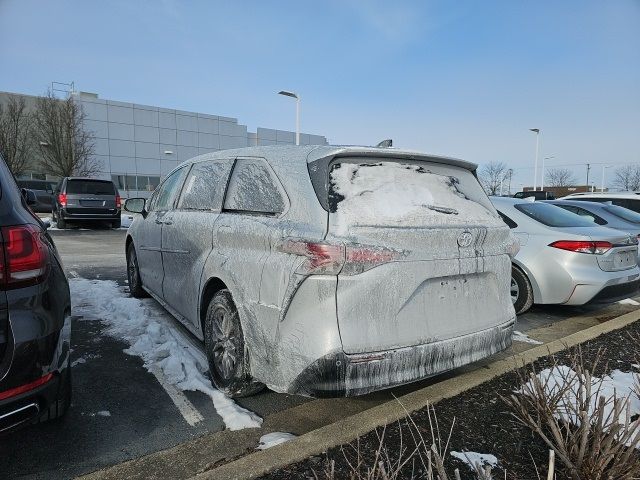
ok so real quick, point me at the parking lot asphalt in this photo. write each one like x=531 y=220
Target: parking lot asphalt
x=120 y=410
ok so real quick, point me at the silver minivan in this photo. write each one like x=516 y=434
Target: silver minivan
x=323 y=270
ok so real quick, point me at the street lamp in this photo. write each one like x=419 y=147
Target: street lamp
x=602 y=183
x=294 y=95
x=545 y=158
x=535 y=167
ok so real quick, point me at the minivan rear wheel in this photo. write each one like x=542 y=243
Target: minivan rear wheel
x=521 y=291
x=133 y=273
x=225 y=348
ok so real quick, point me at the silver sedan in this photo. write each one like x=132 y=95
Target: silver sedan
x=565 y=259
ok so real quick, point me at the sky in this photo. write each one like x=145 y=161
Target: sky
x=464 y=79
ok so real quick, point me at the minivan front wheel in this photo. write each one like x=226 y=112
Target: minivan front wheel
x=521 y=291
x=225 y=348
x=133 y=273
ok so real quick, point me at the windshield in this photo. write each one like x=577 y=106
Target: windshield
x=552 y=216
x=623 y=213
x=90 y=187
x=388 y=193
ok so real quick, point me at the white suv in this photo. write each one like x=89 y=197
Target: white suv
x=630 y=200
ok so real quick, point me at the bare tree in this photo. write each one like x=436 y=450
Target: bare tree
x=67 y=148
x=560 y=177
x=628 y=177
x=491 y=175
x=16 y=139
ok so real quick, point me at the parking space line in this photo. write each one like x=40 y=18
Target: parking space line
x=186 y=408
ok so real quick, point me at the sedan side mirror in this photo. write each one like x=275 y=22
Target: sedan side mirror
x=135 y=205
x=29 y=196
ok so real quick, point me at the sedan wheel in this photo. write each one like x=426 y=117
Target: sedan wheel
x=521 y=291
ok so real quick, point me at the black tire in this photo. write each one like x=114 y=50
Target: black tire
x=61 y=223
x=225 y=348
x=521 y=291
x=133 y=274
x=116 y=223
x=60 y=406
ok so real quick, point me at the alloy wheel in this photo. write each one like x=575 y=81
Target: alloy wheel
x=225 y=348
x=515 y=291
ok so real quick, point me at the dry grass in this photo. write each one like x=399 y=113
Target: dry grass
x=593 y=436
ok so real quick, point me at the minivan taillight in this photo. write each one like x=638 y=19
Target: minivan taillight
x=325 y=258
x=24 y=256
x=62 y=199
x=118 y=201
x=580 y=246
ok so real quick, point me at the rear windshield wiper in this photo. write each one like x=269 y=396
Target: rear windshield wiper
x=447 y=210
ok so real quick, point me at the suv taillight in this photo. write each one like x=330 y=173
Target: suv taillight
x=118 y=201
x=580 y=246
x=62 y=199
x=324 y=258
x=24 y=257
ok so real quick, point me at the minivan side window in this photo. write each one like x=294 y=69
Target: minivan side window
x=168 y=190
x=253 y=189
x=204 y=186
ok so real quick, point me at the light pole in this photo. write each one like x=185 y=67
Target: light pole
x=286 y=93
x=535 y=167
x=543 y=159
x=602 y=183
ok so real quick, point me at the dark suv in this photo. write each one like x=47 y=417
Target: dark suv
x=35 y=318
x=44 y=193
x=86 y=199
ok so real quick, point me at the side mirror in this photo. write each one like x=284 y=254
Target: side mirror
x=135 y=205
x=29 y=196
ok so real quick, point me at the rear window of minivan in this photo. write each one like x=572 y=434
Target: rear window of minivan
x=406 y=193
x=90 y=187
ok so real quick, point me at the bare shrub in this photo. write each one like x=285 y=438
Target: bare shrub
x=593 y=436
x=419 y=458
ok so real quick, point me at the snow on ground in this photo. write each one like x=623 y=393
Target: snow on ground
x=276 y=438
x=521 y=337
x=628 y=301
x=153 y=337
x=617 y=384
x=474 y=459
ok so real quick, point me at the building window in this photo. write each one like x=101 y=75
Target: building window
x=127 y=183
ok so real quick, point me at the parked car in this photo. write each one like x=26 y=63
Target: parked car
x=326 y=270
x=86 y=200
x=43 y=190
x=35 y=319
x=603 y=213
x=537 y=194
x=630 y=200
x=566 y=259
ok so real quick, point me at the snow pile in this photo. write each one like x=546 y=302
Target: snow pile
x=395 y=194
x=473 y=459
x=521 y=337
x=153 y=337
x=629 y=301
x=272 y=439
x=617 y=384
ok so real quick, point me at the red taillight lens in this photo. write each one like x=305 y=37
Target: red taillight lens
x=25 y=256
x=580 y=246
x=62 y=199
x=118 y=201
x=325 y=258
x=25 y=388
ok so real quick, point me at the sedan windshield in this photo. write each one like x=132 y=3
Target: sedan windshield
x=552 y=216
x=623 y=213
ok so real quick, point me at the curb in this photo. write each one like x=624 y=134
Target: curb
x=344 y=431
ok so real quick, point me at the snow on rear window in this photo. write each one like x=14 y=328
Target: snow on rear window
x=403 y=194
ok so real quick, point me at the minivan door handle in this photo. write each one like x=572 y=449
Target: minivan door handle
x=168 y=222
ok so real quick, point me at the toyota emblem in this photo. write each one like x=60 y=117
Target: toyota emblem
x=465 y=239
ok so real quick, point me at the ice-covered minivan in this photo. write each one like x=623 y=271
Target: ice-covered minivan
x=322 y=270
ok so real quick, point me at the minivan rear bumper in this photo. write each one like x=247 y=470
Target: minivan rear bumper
x=90 y=213
x=339 y=374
